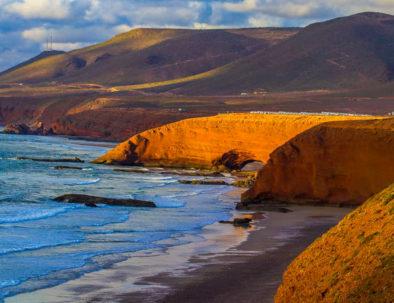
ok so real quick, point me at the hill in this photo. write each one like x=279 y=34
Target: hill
x=352 y=263
x=353 y=52
x=349 y=52
x=43 y=55
x=147 y=55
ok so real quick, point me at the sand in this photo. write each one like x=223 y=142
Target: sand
x=228 y=264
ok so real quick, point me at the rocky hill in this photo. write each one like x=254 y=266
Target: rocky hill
x=352 y=52
x=229 y=140
x=336 y=162
x=352 y=263
x=147 y=55
x=348 y=52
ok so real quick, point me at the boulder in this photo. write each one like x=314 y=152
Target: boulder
x=70 y=160
x=90 y=200
x=203 y=182
x=62 y=167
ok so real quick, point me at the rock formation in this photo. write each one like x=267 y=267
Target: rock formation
x=336 y=162
x=37 y=128
x=229 y=140
x=93 y=200
x=352 y=263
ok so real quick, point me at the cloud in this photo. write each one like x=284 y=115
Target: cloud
x=262 y=20
x=69 y=34
x=148 y=13
x=122 y=28
x=41 y=9
x=68 y=46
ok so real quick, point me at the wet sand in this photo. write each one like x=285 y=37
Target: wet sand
x=228 y=264
x=248 y=273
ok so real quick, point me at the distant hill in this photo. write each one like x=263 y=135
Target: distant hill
x=355 y=52
x=147 y=55
x=43 y=55
x=348 y=52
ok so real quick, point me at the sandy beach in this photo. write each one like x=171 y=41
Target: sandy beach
x=250 y=272
x=228 y=264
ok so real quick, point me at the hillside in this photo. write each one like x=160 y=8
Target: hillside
x=352 y=263
x=352 y=52
x=43 y=55
x=348 y=52
x=341 y=162
x=148 y=55
x=229 y=140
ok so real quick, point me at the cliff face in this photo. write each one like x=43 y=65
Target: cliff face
x=336 y=162
x=353 y=262
x=230 y=140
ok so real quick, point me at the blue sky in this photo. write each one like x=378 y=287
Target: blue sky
x=26 y=24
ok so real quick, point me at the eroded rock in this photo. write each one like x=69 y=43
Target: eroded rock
x=90 y=200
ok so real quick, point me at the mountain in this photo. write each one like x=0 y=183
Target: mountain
x=354 y=52
x=43 y=55
x=349 y=52
x=147 y=55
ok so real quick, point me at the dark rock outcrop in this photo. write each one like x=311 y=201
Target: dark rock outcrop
x=203 y=182
x=243 y=222
x=62 y=167
x=19 y=129
x=37 y=128
x=70 y=160
x=90 y=200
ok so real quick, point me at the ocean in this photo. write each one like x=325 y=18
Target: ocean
x=44 y=243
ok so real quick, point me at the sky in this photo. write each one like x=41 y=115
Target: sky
x=25 y=25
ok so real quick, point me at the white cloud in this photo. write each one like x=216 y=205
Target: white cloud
x=68 y=34
x=243 y=6
x=306 y=8
x=36 y=34
x=66 y=46
x=172 y=13
x=41 y=9
x=198 y=25
x=264 y=21
x=122 y=28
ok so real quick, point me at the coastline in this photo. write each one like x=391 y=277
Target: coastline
x=250 y=272
x=242 y=265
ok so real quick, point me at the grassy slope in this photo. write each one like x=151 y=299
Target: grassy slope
x=149 y=55
x=347 y=52
x=352 y=263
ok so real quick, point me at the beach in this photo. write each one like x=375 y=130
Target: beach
x=229 y=264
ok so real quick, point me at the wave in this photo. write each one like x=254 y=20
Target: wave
x=36 y=247
x=7 y=283
x=82 y=182
x=37 y=215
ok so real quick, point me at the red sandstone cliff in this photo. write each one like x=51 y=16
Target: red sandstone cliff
x=336 y=162
x=230 y=140
x=352 y=263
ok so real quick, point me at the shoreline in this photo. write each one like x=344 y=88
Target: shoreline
x=227 y=264
x=250 y=272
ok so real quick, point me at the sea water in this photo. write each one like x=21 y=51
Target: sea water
x=45 y=243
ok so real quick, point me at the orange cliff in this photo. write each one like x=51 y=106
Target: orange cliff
x=229 y=140
x=336 y=162
x=353 y=262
